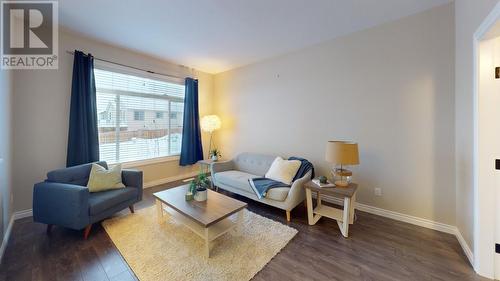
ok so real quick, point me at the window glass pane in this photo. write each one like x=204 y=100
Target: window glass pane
x=107 y=124
x=142 y=130
x=145 y=136
x=176 y=117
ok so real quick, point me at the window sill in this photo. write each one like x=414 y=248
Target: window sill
x=140 y=163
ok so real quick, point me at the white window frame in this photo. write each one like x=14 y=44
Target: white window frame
x=130 y=71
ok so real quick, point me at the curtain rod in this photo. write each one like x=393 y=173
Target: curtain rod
x=133 y=67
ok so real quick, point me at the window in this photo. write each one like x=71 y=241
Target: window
x=145 y=128
x=139 y=115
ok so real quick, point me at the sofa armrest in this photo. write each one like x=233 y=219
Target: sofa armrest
x=296 y=195
x=61 y=204
x=218 y=167
x=133 y=178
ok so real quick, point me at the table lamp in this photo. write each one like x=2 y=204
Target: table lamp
x=342 y=153
x=209 y=124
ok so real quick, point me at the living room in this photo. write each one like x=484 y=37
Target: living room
x=249 y=140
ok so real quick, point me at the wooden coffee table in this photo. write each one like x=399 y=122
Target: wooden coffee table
x=209 y=219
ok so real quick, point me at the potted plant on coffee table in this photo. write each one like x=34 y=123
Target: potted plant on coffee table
x=198 y=187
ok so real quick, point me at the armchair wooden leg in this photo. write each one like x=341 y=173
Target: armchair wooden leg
x=49 y=228
x=86 y=232
x=287 y=215
x=131 y=207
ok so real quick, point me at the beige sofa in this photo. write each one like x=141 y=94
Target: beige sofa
x=233 y=176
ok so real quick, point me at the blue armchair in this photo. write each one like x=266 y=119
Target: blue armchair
x=63 y=199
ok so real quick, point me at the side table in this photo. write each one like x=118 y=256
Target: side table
x=344 y=217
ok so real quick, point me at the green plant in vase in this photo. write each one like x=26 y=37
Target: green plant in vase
x=322 y=179
x=198 y=187
x=215 y=154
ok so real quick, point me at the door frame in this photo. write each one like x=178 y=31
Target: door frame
x=484 y=206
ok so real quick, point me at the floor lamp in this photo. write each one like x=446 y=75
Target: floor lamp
x=209 y=124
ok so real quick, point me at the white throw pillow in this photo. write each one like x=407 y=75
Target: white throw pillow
x=283 y=170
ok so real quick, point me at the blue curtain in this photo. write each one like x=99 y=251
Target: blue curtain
x=83 y=139
x=191 y=150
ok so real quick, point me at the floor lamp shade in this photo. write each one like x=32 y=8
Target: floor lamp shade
x=209 y=124
x=342 y=153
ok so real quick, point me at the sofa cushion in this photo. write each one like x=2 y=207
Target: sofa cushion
x=252 y=163
x=236 y=179
x=100 y=201
x=278 y=193
x=239 y=180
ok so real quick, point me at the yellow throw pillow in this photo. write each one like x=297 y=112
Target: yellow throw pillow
x=101 y=179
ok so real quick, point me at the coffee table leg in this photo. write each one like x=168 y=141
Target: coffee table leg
x=207 y=244
x=159 y=210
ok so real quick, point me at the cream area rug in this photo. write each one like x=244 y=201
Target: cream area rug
x=171 y=251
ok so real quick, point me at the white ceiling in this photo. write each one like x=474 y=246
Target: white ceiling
x=218 y=35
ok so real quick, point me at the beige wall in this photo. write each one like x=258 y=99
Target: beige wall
x=468 y=16
x=390 y=88
x=5 y=150
x=41 y=110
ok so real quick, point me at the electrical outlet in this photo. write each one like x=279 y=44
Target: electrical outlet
x=378 y=191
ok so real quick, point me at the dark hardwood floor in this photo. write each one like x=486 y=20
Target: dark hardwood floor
x=377 y=249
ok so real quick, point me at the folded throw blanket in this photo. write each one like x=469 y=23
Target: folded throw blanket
x=261 y=185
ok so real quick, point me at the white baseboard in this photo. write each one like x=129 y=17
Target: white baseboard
x=23 y=214
x=409 y=219
x=169 y=179
x=464 y=245
x=15 y=216
x=6 y=237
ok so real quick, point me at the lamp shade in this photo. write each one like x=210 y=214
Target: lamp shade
x=210 y=123
x=342 y=153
